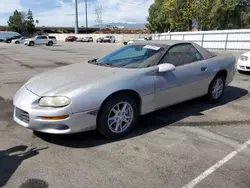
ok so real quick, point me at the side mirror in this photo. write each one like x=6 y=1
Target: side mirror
x=166 y=67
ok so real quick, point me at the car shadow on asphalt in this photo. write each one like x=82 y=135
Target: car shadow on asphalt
x=10 y=159
x=151 y=122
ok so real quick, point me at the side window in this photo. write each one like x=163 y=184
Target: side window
x=182 y=54
x=43 y=37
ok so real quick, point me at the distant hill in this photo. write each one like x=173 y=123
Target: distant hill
x=125 y=25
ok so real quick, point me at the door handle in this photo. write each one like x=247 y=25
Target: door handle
x=203 y=69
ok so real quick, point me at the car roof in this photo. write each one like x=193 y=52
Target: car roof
x=167 y=43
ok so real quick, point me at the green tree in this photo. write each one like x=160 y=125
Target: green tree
x=16 y=22
x=158 y=19
x=178 y=15
x=174 y=15
x=30 y=23
x=223 y=14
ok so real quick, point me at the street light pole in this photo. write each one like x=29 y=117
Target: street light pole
x=76 y=13
x=86 y=7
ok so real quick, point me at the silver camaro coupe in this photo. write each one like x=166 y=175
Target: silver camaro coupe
x=109 y=93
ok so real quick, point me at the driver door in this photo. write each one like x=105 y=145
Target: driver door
x=185 y=82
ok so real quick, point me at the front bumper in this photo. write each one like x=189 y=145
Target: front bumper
x=29 y=114
x=243 y=65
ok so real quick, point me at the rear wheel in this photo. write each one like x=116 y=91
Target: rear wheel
x=117 y=117
x=216 y=89
x=50 y=43
x=17 y=42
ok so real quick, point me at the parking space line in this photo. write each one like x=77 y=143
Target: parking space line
x=217 y=165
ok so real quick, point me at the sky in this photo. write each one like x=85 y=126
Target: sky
x=61 y=12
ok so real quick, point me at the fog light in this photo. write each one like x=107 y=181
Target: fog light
x=55 y=117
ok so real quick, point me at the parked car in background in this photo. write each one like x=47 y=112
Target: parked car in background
x=41 y=40
x=87 y=39
x=100 y=39
x=19 y=41
x=9 y=39
x=70 y=39
x=111 y=92
x=79 y=39
x=135 y=40
x=243 y=64
x=7 y=34
x=109 y=38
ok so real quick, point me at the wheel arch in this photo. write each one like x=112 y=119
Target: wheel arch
x=133 y=94
x=222 y=72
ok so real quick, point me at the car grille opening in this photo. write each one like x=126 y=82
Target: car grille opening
x=22 y=115
x=248 y=68
x=242 y=67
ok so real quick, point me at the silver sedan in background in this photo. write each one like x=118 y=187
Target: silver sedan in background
x=19 y=41
x=109 y=93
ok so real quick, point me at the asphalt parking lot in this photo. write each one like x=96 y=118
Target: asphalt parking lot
x=193 y=144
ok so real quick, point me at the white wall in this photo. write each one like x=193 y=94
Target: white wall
x=224 y=39
x=119 y=37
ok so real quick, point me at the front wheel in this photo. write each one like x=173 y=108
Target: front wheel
x=216 y=89
x=31 y=44
x=117 y=117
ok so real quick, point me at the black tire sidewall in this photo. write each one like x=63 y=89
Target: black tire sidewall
x=102 y=124
x=50 y=43
x=31 y=43
x=210 y=89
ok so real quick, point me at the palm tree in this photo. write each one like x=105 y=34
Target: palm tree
x=37 y=22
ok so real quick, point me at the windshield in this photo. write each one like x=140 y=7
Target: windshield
x=133 y=56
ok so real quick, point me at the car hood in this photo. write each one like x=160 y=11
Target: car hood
x=65 y=79
x=246 y=54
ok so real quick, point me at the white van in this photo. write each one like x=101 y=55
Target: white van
x=109 y=38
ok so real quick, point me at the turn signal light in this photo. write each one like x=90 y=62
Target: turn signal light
x=55 y=117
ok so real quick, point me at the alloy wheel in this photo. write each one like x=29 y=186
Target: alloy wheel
x=120 y=117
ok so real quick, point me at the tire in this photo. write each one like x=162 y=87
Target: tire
x=17 y=42
x=8 y=41
x=114 y=41
x=50 y=43
x=31 y=44
x=212 y=96
x=109 y=131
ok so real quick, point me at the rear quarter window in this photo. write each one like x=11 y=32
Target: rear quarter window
x=52 y=37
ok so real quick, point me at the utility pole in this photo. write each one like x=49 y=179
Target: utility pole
x=76 y=13
x=86 y=7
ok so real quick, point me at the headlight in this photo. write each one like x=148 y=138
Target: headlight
x=243 y=58
x=54 y=101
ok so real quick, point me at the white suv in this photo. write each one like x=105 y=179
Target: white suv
x=110 y=39
x=41 y=40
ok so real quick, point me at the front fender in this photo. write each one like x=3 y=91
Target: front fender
x=91 y=97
